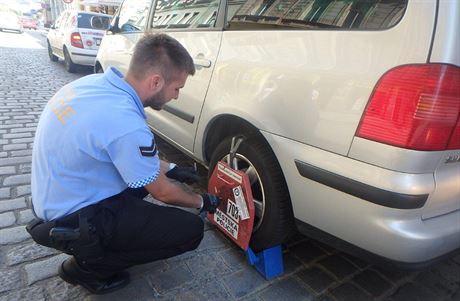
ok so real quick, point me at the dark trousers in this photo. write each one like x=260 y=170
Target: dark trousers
x=133 y=231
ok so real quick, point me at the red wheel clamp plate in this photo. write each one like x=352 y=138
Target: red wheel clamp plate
x=235 y=215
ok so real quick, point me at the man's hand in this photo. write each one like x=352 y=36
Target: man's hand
x=183 y=174
x=210 y=202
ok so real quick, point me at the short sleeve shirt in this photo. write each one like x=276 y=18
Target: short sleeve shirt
x=92 y=142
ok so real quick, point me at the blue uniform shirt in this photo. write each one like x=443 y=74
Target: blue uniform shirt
x=92 y=142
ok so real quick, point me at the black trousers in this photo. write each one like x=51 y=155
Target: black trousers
x=133 y=231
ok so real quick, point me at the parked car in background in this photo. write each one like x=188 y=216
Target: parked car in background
x=29 y=23
x=349 y=110
x=75 y=37
x=10 y=21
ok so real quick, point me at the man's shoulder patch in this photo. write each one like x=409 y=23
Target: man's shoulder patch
x=149 y=151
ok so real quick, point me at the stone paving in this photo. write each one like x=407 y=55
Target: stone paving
x=217 y=270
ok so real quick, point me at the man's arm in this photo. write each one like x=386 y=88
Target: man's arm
x=171 y=193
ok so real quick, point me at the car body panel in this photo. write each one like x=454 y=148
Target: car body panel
x=446 y=197
x=370 y=226
x=203 y=47
x=116 y=50
x=314 y=85
x=446 y=44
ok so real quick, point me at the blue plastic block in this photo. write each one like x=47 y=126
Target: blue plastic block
x=268 y=262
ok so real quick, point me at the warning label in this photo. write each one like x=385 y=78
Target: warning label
x=226 y=223
x=241 y=203
x=229 y=172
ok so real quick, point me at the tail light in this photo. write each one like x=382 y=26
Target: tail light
x=75 y=40
x=415 y=107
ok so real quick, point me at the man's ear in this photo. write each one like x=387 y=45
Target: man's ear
x=156 y=82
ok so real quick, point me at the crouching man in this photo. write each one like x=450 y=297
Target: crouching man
x=95 y=159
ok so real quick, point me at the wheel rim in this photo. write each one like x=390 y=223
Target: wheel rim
x=241 y=163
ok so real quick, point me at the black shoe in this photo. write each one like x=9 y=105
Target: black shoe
x=72 y=273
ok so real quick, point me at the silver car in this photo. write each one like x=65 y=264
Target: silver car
x=349 y=111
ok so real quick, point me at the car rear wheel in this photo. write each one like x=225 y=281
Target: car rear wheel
x=69 y=65
x=273 y=222
x=53 y=58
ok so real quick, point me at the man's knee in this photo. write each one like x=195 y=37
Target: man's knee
x=196 y=227
x=194 y=232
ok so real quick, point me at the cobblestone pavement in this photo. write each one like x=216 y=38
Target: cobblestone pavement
x=215 y=271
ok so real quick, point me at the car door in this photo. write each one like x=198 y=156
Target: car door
x=127 y=27
x=54 y=36
x=196 y=25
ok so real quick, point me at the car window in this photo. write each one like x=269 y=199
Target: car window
x=88 y=20
x=314 y=14
x=172 y=14
x=133 y=15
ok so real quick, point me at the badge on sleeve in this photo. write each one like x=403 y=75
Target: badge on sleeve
x=149 y=151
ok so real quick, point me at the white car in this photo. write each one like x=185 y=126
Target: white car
x=349 y=108
x=10 y=21
x=75 y=37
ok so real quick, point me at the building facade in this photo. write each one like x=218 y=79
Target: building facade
x=53 y=8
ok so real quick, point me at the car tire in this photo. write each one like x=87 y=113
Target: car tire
x=98 y=69
x=274 y=221
x=69 y=65
x=52 y=57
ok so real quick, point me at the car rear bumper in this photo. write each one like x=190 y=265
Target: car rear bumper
x=372 y=208
x=9 y=28
x=83 y=56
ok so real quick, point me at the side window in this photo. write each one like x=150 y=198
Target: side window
x=133 y=15
x=314 y=14
x=185 y=14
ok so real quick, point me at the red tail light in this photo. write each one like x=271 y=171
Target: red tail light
x=415 y=107
x=75 y=40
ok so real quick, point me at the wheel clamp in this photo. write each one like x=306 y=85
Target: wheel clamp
x=235 y=215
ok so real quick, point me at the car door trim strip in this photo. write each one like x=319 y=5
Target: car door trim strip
x=363 y=191
x=178 y=113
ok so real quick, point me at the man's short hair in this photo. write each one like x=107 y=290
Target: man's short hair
x=160 y=53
